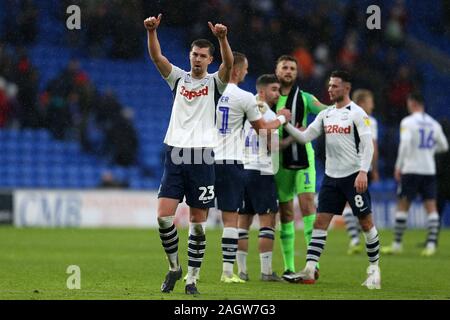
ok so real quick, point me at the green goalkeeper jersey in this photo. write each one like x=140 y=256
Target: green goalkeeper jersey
x=312 y=106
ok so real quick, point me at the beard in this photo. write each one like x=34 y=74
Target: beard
x=286 y=83
x=197 y=70
x=338 y=99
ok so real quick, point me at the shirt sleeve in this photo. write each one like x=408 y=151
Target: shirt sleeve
x=313 y=104
x=317 y=124
x=251 y=108
x=366 y=153
x=405 y=138
x=374 y=128
x=362 y=122
x=313 y=131
x=221 y=86
x=441 y=143
x=174 y=75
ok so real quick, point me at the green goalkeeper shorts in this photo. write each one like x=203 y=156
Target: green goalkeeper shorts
x=293 y=182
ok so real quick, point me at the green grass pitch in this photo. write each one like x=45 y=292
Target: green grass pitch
x=130 y=264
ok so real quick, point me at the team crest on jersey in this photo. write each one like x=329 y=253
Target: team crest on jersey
x=367 y=121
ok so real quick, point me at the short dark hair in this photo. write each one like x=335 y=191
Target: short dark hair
x=286 y=57
x=265 y=80
x=416 y=96
x=203 y=43
x=238 y=58
x=342 y=74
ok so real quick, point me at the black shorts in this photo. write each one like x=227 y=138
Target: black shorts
x=229 y=185
x=189 y=179
x=260 y=193
x=335 y=192
x=412 y=185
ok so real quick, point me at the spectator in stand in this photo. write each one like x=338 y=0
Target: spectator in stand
x=27 y=79
x=5 y=108
x=401 y=86
x=396 y=25
x=21 y=22
x=348 y=54
x=304 y=58
x=98 y=30
x=122 y=137
x=126 y=33
x=108 y=181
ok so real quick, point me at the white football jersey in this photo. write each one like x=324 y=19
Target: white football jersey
x=342 y=128
x=192 y=122
x=256 y=153
x=420 y=137
x=374 y=128
x=234 y=107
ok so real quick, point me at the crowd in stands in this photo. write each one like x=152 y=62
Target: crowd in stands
x=70 y=107
x=329 y=36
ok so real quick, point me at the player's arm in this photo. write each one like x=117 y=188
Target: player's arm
x=366 y=147
x=441 y=143
x=302 y=137
x=154 y=49
x=375 y=172
x=313 y=131
x=283 y=116
x=362 y=123
x=286 y=142
x=403 y=150
x=313 y=104
x=261 y=124
x=220 y=31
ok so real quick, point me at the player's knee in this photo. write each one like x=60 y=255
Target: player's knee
x=366 y=223
x=197 y=215
x=243 y=234
x=307 y=208
x=266 y=233
x=163 y=212
x=165 y=222
x=286 y=216
x=322 y=222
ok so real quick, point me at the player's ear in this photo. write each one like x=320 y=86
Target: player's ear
x=349 y=86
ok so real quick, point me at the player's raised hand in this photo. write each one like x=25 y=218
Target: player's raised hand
x=152 y=23
x=219 y=30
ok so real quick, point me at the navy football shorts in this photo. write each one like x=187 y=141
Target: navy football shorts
x=412 y=185
x=189 y=172
x=260 y=193
x=229 y=185
x=335 y=192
